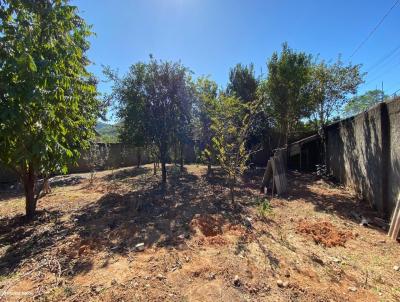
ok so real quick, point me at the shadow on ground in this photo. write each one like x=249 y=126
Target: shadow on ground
x=153 y=214
x=341 y=205
x=150 y=213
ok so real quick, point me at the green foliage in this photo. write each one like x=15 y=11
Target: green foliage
x=109 y=133
x=242 y=83
x=204 y=107
x=284 y=93
x=48 y=100
x=329 y=87
x=231 y=123
x=264 y=207
x=154 y=105
x=363 y=102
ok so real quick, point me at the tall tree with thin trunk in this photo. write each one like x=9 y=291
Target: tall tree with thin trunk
x=205 y=106
x=48 y=100
x=231 y=122
x=284 y=93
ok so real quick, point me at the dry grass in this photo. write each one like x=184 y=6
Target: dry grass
x=81 y=247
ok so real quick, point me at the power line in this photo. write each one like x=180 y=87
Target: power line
x=383 y=59
x=374 y=29
x=380 y=74
x=394 y=93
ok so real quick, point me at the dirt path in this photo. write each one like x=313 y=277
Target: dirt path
x=197 y=246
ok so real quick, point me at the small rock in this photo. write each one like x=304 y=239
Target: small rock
x=364 y=221
x=287 y=274
x=181 y=237
x=160 y=277
x=336 y=260
x=211 y=276
x=247 y=222
x=352 y=289
x=139 y=247
x=282 y=284
x=396 y=268
x=113 y=282
x=236 y=281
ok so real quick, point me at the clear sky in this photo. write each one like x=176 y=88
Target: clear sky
x=211 y=36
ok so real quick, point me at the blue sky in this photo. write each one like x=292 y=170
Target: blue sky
x=211 y=36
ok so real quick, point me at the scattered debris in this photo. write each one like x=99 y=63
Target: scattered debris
x=317 y=259
x=236 y=281
x=211 y=276
x=139 y=247
x=364 y=221
x=336 y=260
x=247 y=222
x=381 y=223
x=282 y=284
x=287 y=274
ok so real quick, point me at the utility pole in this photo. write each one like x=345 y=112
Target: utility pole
x=382 y=93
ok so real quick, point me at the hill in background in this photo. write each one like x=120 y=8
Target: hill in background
x=108 y=132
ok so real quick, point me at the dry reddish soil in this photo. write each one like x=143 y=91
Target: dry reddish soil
x=198 y=246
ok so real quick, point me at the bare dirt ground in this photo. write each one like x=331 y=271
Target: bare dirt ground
x=198 y=246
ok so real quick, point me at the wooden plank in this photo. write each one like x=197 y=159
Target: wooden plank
x=268 y=174
x=279 y=174
x=395 y=222
x=396 y=228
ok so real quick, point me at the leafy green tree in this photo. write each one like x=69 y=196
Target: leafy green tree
x=231 y=124
x=363 y=102
x=205 y=106
x=48 y=100
x=242 y=83
x=153 y=102
x=284 y=93
x=330 y=86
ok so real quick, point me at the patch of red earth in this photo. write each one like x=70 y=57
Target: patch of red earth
x=208 y=225
x=212 y=229
x=324 y=233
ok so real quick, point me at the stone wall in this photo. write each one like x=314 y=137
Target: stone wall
x=362 y=152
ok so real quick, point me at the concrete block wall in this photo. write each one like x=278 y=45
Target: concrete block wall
x=118 y=155
x=363 y=152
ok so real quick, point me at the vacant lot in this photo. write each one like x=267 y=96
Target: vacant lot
x=197 y=245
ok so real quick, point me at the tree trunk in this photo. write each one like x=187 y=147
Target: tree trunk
x=163 y=170
x=175 y=154
x=154 y=168
x=29 y=180
x=138 y=157
x=181 y=156
x=163 y=158
x=232 y=191
x=209 y=171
